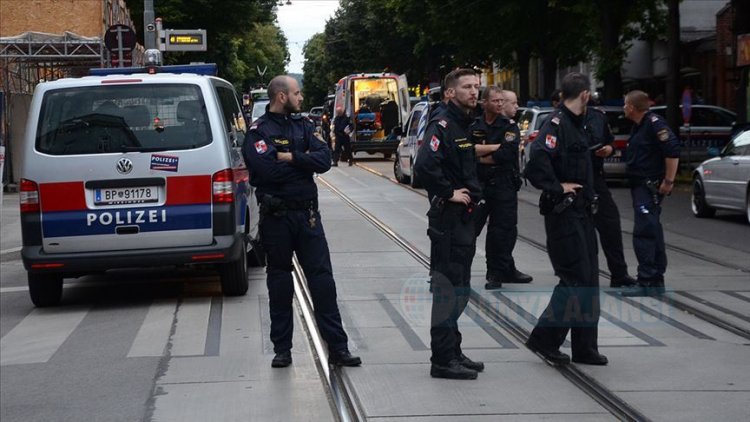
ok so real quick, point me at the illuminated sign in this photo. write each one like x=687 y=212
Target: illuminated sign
x=743 y=50
x=185 y=40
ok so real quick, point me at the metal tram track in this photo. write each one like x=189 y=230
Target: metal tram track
x=671 y=301
x=601 y=394
x=341 y=397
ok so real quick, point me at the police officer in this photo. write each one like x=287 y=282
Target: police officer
x=560 y=165
x=653 y=155
x=282 y=153
x=607 y=218
x=496 y=138
x=446 y=167
x=342 y=128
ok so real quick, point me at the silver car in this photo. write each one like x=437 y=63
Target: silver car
x=411 y=139
x=723 y=182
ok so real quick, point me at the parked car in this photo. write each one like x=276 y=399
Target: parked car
x=723 y=182
x=709 y=132
x=412 y=137
x=131 y=169
x=316 y=115
x=529 y=123
x=259 y=109
x=614 y=165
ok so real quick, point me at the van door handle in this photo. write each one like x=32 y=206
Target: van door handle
x=127 y=230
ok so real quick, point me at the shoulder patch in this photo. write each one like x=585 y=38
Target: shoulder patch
x=654 y=119
x=550 y=141
x=663 y=135
x=443 y=123
x=434 y=143
x=261 y=147
x=555 y=121
x=510 y=136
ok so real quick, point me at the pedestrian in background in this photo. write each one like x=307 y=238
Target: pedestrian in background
x=560 y=165
x=653 y=156
x=607 y=217
x=283 y=153
x=342 y=129
x=447 y=167
x=496 y=138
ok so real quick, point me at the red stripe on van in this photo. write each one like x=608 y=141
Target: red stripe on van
x=62 y=196
x=182 y=190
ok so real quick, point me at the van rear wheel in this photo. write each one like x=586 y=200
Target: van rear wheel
x=45 y=289
x=234 y=276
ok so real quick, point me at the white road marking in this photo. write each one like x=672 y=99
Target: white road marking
x=38 y=336
x=10 y=250
x=189 y=338
x=153 y=334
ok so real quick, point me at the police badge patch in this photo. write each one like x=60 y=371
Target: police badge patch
x=550 y=141
x=663 y=135
x=261 y=147
x=510 y=136
x=434 y=143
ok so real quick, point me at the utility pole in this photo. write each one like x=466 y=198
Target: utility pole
x=149 y=33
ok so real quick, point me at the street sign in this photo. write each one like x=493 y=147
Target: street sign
x=185 y=40
x=120 y=40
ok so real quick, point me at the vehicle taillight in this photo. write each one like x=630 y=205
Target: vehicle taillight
x=620 y=143
x=533 y=135
x=29 y=196
x=223 y=186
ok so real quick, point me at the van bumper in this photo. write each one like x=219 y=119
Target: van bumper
x=377 y=145
x=224 y=249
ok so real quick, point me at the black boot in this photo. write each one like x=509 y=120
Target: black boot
x=493 y=282
x=518 y=277
x=624 y=281
x=344 y=358
x=282 y=359
x=595 y=358
x=453 y=370
x=468 y=363
x=555 y=357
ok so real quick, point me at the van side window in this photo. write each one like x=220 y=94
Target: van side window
x=414 y=124
x=234 y=120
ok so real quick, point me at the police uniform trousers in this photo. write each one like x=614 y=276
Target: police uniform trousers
x=501 y=207
x=343 y=150
x=453 y=243
x=607 y=222
x=291 y=231
x=574 y=305
x=648 y=236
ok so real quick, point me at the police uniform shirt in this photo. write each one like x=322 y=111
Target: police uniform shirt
x=560 y=154
x=599 y=132
x=502 y=131
x=651 y=141
x=446 y=160
x=273 y=133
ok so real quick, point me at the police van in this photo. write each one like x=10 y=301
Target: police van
x=136 y=168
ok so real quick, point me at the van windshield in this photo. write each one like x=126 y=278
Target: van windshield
x=122 y=118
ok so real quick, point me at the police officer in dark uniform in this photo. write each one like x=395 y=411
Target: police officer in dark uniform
x=342 y=129
x=560 y=165
x=496 y=138
x=607 y=217
x=283 y=153
x=446 y=167
x=653 y=156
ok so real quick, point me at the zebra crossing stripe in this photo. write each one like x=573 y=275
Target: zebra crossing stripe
x=152 y=336
x=38 y=336
x=192 y=316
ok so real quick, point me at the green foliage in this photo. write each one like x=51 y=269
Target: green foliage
x=242 y=34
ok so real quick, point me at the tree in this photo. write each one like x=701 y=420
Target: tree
x=316 y=73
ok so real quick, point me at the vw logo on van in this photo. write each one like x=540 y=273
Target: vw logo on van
x=124 y=165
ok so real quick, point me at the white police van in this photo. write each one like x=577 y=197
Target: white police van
x=135 y=168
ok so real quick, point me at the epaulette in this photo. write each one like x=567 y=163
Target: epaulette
x=296 y=116
x=654 y=118
x=443 y=123
x=259 y=121
x=555 y=120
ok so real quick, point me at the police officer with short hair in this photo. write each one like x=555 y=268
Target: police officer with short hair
x=607 y=217
x=560 y=165
x=653 y=155
x=283 y=153
x=446 y=167
x=496 y=138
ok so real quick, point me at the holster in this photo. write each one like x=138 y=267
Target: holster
x=653 y=187
x=271 y=205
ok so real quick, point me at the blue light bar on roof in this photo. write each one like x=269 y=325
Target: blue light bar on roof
x=209 y=69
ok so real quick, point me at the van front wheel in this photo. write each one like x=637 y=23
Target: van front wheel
x=234 y=276
x=45 y=289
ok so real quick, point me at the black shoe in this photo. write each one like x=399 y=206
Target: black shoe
x=634 y=291
x=624 y=281
x=453 y=370
x=592 y=359
x=468 y=363
x=351 y=163
x=344 y=358
x=282 y=359
x=493 y=282
x=518 y=278
x=555 y=357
